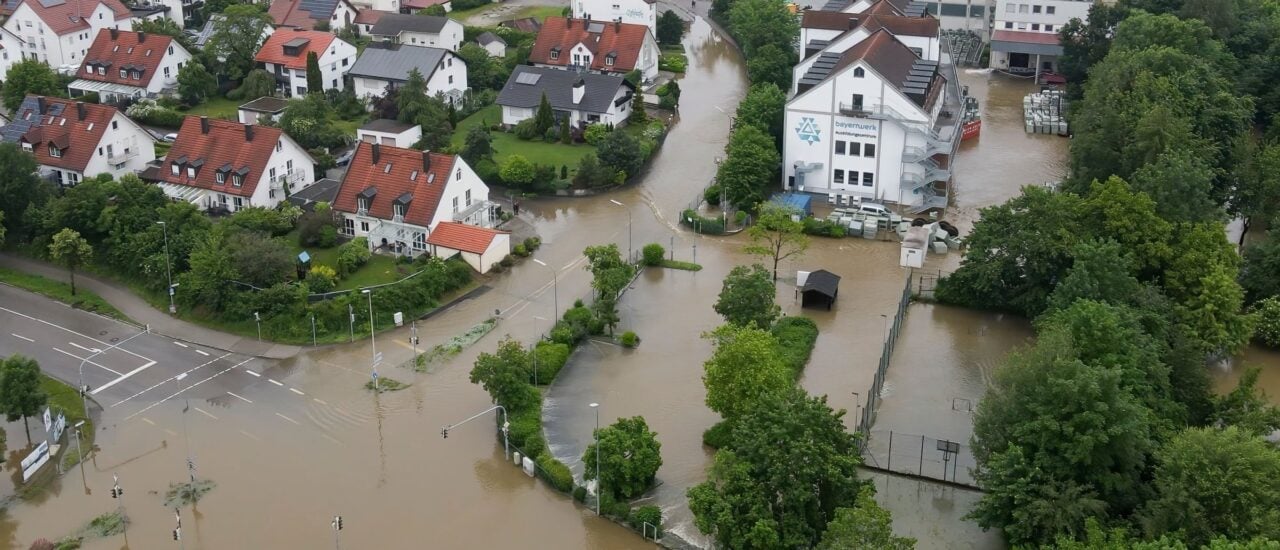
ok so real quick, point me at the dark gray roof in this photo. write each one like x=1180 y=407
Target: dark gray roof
x=558 y=85
x=393 y=62
x=325 y=190
x=822 y=281
x=319 y=9
x=387 y=125
x=266 y=104
x=487 y=37
x=202 y=36
x=18 y=127
x=393 y=24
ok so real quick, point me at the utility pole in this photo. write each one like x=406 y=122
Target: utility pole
x=599 y=481
x=167 y=269
x=373 y=341
x=351 y=316
x=118 y=493
x=337 y=526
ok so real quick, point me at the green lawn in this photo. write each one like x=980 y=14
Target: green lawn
x=507 y=144
x=67 y=399
x=379 y=270
x=539 y=12
x=83 y=299
x=217 y=107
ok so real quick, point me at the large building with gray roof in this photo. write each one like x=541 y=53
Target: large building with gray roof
x=585 y=98
x=384 y=67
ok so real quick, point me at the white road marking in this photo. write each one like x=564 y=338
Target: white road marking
x=204 y=412
x=110 y=370
x=148 y=421
x=123 y=377
x=326 y=436
x=253 y=373
x=273 y=381
x=179 y=343
x=289 y=419
x=179 y=392
x=171 y=432
x=90 y=350
x=250 y=436
x=59 y=327
x=179 y=376
x=297 y=391
x=202 y=352
x=15 y=335
x=240 y=398
x=320 y=401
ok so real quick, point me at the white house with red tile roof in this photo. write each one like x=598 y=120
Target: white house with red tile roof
x=638 y=12
x=480 y=247
x=220 y=164
x=128 y=64
x=284 y=55
x=606 y=47
x=397 y=197
x=59 y=32
x=306 y=14
x=72 y=140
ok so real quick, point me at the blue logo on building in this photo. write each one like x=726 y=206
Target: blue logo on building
x=808 y=130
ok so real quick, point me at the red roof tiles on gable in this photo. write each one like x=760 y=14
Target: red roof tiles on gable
x=72 y=15
x=391 y=173
x=133 y=52
x=213 y=146
x=76 y=131
x=273 y=50
x=288 y=13
x=828 y=20
x=903 y=26
x=460 y=236
x=370 y=17
x=883 y=7
x=1026 y=37
x=623 y=40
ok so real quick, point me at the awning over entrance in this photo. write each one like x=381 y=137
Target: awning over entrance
x=183 y=193
x=107 y=88
x=1031 y=43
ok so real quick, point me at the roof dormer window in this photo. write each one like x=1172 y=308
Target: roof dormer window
x=174 y=169
x=191 y=171
x=54 y=151
x=237 y=180
x=102 y=71
x=220 y=177
x=137 y=75
x=124 y=74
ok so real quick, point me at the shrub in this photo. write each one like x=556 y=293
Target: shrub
x=647 y=514
x=322 y=278
x=615 y=508
x=580 y=494
x=673 y=62
x=552 y=134
x=822 y=228
x=629 y=339
x=653 y=254
x=487 y=171
x=712 y=195
x=1267 y=328
x=526 y=129
x=551 y=357
x=524 y=426
x=706 y=226
x=718 y=436
x=796 y=336
x=555 y=472
x=267 y=220
x=532 y=243
x=740 y=217
x=507 y=261
x=352 y=255
x=520 y=250
x=147 y=111
x=595 y=133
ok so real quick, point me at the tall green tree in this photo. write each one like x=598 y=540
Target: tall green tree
x=208 y=283
x=478 y=144
x=755 y=23
x=1086 y=42
x=505 y=374
x=416 y=107
x=630 y=456
x=747 y=297
x=750 y=166
x=258 y=83
x=763 y=108
x=1260 y=271
x=776 y=236
x=29 y=77
x=195 y=84
x=21 y=189
x=309 y=121
x=864 y=525
x=315 y=80
x=72 y=251
x=545 y=118
x=771 y=63
x=482 y=71
x=1181 y=184
x=637 y=114
x=20 y=393
x=670 y=28
x=620 y=151
x=1215 y=482
x=610 y=274
x=743 y=370
x=237 y=37
x=166 y=27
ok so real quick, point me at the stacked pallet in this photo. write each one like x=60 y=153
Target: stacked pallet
x=1044 y=112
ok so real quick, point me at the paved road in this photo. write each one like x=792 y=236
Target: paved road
x=123 y=366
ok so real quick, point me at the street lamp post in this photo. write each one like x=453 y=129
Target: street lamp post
x=555 y=292
x=258 y=319
x=79 y=455
x=629 y=250
x=599 y=482
x=186 y=406
x=373 y=341
x=313 y=330
x=168 y=271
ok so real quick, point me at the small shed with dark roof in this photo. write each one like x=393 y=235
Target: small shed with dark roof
x=821 y=287
x=492 y=43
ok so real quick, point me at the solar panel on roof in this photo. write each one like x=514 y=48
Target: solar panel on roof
x=528 y=78
x=595 y=27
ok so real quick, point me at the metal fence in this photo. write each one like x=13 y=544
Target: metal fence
x=926 y=283
x=886 y=353
x=920 y=455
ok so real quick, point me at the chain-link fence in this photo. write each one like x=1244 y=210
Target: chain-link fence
x=921 y=455
x=926 y=283
x=873 y=395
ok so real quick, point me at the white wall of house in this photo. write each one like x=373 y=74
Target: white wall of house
x=344 y=14
x=638 y=12
x=370 y=87
x=496 y=49
x=617 y=115
x=930 y=49
x=498 y=248
x=334 y=64
x=404 y=139
x=124 y=149
x=10 y=53
x=463 y=190
x=69 y=49
x=289 y=167
x=449 y=38
x=450 y=78
x=392 y=6
x=245 y=116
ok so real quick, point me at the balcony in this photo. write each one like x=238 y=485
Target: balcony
x=478 y=210
x=854 y=109
x=287 y=181
x=119 y=158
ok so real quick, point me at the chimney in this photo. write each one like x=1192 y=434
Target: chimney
x=79 y=110
x=426 y=161
x=375 y=153
x=204 y=124
x=115 y=33
x=248 y=132
x=568 y=24
x=39 y=105
x=579 y=90
x=142 y=37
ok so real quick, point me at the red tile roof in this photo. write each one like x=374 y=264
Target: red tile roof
x=224 y=147
x=883 y=7
x=460 y=236
x=395 y=173
x=132 y=51
x=289 y=13
x=623 y=40
x=273 y=50
x=369 y=17
x=903 y=26
x=1026 y=37
x=72 y=15
x=58 y=122
x=828 y=20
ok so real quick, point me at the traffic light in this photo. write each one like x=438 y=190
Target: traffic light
x=337 y=523
x=177 y=534
x=444 y=432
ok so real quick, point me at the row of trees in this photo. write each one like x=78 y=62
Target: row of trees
x=1104 y=433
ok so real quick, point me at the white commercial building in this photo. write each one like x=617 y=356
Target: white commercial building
x=639 y=12
x=1024 y=36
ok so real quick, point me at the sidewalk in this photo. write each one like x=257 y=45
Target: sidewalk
x=159 y=322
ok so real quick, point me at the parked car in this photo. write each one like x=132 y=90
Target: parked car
x=170 y=138
x=345 y=158
x=873 y=208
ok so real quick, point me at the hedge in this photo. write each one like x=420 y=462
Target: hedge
x=796 y=337
x=555 y=472
x=551 y=357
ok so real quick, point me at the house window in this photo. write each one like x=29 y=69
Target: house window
x=166 y=72
x=1050 y=10
x=55 y=152
x=419 y=241
x=220 y=177
x=857 y=102
x=115 y=125
x=239 y=202
x=302 y=90
x=459 y=175
x=840 y=147
x=362 y=205
x=1008 y=24
x=855 y=148
x=869 y=150
x=1022 y=8
x=1011 y=8
x=1035 y=8
x=449 y=62
x=102 y=71
x=335 y=83
x=468 y=197
x=280 y=145
x=555 y=54
x=1022 y=26
x=174 y=169
x=349 y=227
x=455 y=205
x=1035 y=26
x=123 y=74
x=289 y=166
x=271 y=173
x=577 y=59
x=451 y=79
x=345 y=60
x=868 y=179
x=839 y=176
x=859 y=72
x=170 y=50
x=237 y=180
x=364 y=227
x=137 y=75
x=1048 y=28
x=608 y=60
x=397 y=210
